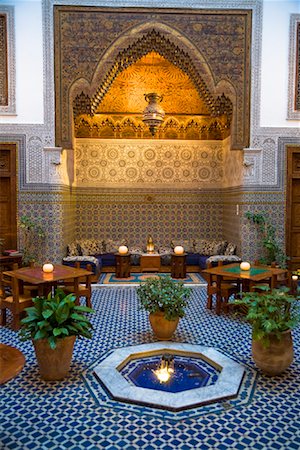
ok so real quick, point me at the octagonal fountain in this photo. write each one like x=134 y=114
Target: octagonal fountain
x=170 y=375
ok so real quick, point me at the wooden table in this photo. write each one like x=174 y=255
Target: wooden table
x=249 y=278
x=122 y=265
x=150 y=262
x=6 y=262
x=11 y=362
x=44 y=281
x=178 y=265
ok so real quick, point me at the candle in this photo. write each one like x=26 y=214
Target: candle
x=178 y=250
x=245 y=265
x=294 y=277
x=48 y=268
x=123 y=249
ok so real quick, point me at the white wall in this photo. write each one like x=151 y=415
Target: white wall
x=275 y=63
x=29 y=62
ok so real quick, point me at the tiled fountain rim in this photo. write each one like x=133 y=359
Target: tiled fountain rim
x=227 y=385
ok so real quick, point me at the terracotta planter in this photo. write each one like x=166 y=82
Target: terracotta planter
x=54 y=364
x=275 y=358
x=163 y=328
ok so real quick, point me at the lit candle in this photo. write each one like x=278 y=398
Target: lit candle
x=178 y=250
x=48 y=268
x=294 y=277
x=123 y=249
x=245 y=265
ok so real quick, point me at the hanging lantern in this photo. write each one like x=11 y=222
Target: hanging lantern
x=153 y=115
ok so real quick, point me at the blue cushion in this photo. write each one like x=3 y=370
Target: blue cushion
x=202 y=261
x=192 y=259
x=108 y=259
x=83 y=265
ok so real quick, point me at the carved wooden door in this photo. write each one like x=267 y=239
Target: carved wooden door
x=293 y=207
x=8 y=192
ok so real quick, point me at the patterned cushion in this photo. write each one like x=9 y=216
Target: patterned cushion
x=208 y=248
x=73 y=249
x=111 y=246
x=91 y=247
x=187 y=244
x=230 y=249
x=224 y=258
x=90 y=259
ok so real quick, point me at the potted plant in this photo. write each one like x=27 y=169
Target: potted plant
x=32 y=236
x=165 y=300
x=273 y=250
x=273 y=314
x=53 y=324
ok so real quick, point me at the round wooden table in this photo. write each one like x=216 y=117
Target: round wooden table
x=11 y=362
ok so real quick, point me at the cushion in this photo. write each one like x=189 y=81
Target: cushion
x=225 y=258
x=73 y=249
x=111 y=246
x=208 y=248
x=230 y=249
x=187 y=244
x=91 y=246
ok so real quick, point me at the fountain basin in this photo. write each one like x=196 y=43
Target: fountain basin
x=225 y=378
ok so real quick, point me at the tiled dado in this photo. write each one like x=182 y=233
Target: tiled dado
x=161 y=215
x=55 y=212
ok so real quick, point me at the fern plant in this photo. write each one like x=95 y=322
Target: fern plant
x=55 y=317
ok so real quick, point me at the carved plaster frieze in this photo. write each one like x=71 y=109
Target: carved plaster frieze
x=294 y=60
x=10 y=108
x=252 y=164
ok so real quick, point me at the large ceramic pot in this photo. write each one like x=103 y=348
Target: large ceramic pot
x=54 y=364
x=275 y=358
x=163 y=328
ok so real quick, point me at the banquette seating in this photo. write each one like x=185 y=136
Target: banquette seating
x=100 y=253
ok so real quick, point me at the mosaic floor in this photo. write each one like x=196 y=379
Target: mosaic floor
x=65 y=415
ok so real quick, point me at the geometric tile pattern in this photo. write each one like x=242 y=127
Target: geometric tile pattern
x=40 y=415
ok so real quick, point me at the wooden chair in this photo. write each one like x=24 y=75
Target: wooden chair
x=12 y=299
x=228 y=288
x=84 y=288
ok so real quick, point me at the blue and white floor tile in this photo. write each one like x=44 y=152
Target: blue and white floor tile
x=42 y=415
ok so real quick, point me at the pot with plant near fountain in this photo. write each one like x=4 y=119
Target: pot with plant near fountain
x=53 y=324
x=273 y=314
x=165 y=300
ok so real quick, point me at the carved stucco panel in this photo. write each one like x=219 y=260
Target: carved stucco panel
x=252 y=164
x=171 y=164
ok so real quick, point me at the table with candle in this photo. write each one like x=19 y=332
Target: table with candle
x=46 y=280
x=249 y=277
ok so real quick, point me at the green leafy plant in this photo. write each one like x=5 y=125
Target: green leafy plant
x=270 y=311
x=32 y=235
x=274 y=252
x=55 y=317
x=163 y=294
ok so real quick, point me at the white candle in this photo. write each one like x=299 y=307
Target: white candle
x=178 y=250
x=123 y=249
x=245 y=265
x=48 y=268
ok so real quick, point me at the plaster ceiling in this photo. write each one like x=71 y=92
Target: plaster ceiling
x=152 y=73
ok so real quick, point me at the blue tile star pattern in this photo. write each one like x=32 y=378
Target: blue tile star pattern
x=75 y=415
